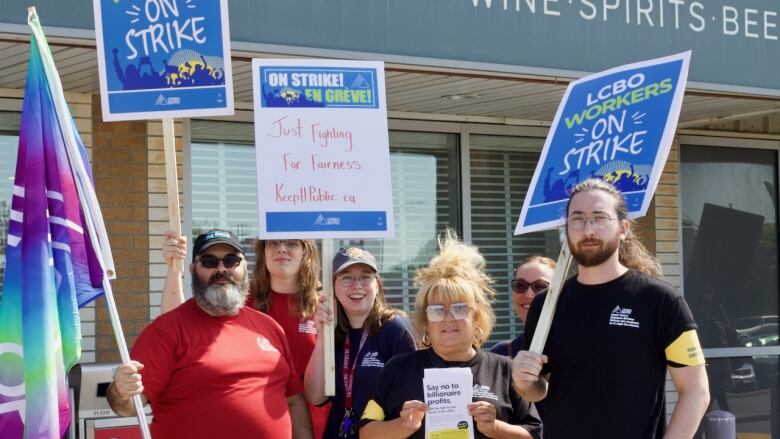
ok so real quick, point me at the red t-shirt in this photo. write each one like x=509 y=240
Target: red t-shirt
x=211 y=376
x=302 y=334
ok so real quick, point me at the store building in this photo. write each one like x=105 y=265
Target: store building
x=472 y=87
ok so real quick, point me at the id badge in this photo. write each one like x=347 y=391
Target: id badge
x=347 y=428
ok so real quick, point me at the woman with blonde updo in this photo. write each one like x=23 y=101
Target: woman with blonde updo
x=453 y=317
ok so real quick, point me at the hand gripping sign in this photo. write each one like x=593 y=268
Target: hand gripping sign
x=618 y=126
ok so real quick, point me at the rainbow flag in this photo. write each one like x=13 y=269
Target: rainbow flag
x=57 y=258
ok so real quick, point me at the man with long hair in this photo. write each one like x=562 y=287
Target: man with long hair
x=616 y=331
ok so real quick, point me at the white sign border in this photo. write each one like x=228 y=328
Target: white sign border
x=262 y=233
x=229 y=109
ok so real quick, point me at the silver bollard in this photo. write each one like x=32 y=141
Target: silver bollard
x=720 y=425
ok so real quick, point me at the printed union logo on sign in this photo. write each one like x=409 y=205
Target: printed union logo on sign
x=163 y=58
x=617 y=126
x=296 y=87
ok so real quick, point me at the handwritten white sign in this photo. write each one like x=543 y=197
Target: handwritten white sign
x=323 y=158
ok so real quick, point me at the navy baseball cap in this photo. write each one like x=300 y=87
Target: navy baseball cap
x=214 y=237
x=351 y=256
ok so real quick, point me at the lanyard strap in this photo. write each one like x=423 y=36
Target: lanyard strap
x=348 y=373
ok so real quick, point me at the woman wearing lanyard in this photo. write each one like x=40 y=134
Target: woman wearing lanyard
x=368 y=333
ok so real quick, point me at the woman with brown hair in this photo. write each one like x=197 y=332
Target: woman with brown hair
x=367 y=335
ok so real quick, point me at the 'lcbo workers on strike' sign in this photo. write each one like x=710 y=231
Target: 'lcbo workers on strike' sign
x=163 y=58
x=615 y=125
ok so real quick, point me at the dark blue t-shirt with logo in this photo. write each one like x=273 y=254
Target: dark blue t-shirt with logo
x=395 y=337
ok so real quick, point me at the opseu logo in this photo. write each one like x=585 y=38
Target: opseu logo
x=327 y=221
x=171 y=100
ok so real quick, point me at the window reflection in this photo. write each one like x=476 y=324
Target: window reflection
x=8 y=149
x=748 y=388
x=729 y=232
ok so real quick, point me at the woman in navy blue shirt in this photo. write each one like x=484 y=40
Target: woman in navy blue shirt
x=367 y=334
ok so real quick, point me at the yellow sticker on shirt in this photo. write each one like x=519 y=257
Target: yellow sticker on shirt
x=686 y=350
x=373 y=412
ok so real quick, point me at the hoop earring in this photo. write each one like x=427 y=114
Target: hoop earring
x=479 y=338
x=425 y=340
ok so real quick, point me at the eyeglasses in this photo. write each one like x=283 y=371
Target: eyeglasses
x=521 y=285
x=291 y=244
x=211 y=261
x=598 y=221
x=348 y=281
x=436 y=313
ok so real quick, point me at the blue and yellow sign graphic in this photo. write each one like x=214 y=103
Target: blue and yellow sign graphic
x=163 y=58
x=616 y=126
x=300 y=87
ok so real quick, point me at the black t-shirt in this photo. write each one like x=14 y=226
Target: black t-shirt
x=509 y=348
x=402 y=380
x=607 y=361
x=395 y=337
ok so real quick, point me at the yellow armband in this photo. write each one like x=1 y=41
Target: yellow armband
x=373 y=412
x=686 y=350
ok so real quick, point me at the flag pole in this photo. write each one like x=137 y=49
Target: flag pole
x=88 y=199
x=124 y=353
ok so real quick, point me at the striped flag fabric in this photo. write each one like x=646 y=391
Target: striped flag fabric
x=57 y=257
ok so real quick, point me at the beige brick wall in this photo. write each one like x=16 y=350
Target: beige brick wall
x=667 y=245
x=120 y=173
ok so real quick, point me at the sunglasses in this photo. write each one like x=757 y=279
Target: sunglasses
x=521 y=285
x=211 y=261
x=436 y=313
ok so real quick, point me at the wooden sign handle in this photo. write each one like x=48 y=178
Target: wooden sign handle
x=172 y=184
x=553 y=292
x=327 y=290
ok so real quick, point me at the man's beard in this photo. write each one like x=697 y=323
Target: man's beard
x=592 y=257
x=221 y=299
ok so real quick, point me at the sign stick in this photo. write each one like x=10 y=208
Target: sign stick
x=327 y=289
x=551 y=300
x=172 y=187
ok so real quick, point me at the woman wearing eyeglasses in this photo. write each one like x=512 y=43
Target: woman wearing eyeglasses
x=454 y=316
x=368 y=333
x=532 y=276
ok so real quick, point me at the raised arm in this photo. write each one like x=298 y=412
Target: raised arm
x=314 y=378
x=174 y=251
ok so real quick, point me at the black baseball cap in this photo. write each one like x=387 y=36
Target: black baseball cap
x=351 y=256
x=214 y=237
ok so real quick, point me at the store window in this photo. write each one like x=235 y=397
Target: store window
x=501 y=168
x=426 y=197
x=9 y=144
x=728 y=206
x=729 y=233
